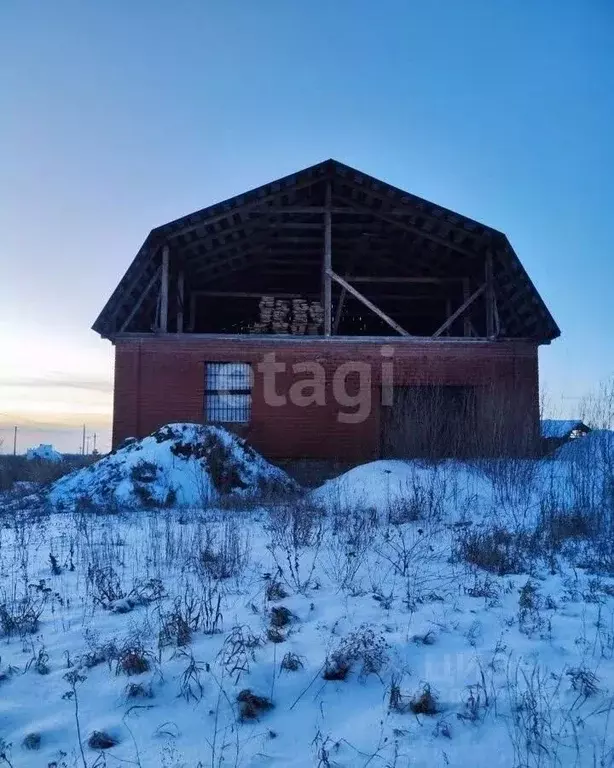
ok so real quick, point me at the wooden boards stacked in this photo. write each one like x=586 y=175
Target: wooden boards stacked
x=283 y=316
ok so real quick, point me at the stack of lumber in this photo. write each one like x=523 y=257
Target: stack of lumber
x=316 y=318
x=266 y=307
x=281 y=312
x=300 y=317
x=282 y=316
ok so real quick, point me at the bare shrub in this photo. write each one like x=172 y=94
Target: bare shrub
x=237 y=651
x=530 y=602
x=424 y=702
x=336 y=668
x=211 y=597
x=560 y=530
x=32 y=741
x=291 y=662
x=109 y=594
x=534 y=728
x=280 y=619
x=485 y=587
x=397 y=700
x=275 y=590
x=138 y=691
x=226 y=555
x=18 y=469
x=187 y=615
x=101 y=740
x=251 y=706
x=39 y=662
x=280 y=616
x=428 y=638
x=275 y=635
x=496 y=549
x=106 y=585
x=583 y=681
x=133 y=659
x=364 y=646
x=597 y=409
x=190 y=682
x=422 y=499
x=419 y=556
x=296 y=533
x=21 y=616
x=348 y=546
x=98 y=653
x=514 y=484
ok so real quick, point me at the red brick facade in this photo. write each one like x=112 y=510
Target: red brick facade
x=161 y=379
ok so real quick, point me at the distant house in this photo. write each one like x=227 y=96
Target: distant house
x=391 y=326
x=555 y=432
x=44 y=452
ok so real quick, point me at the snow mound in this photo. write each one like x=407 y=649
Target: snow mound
x=597 y=445
x=183 y=464
x=44 y=452
x=388 y=485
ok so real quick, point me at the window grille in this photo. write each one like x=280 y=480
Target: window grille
x=228 y=392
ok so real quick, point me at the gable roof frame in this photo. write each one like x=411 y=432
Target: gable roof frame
x=229 y=226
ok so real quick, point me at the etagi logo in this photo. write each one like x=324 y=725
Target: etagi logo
x=352 y=388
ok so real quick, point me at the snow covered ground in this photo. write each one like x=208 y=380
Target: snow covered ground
x=401 y=615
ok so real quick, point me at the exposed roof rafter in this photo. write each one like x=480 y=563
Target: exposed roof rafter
x=281 y=221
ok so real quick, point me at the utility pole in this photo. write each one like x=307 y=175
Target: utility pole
x=15 y=442
x=94 y=451
x=83 y=442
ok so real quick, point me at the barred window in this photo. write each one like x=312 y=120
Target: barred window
x=228 y=392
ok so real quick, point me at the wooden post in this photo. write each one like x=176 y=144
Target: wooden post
x=164 y=290
x=489 y=297
x=448 y=313
x=180 y=298
x=327 y=265
x=192 y=321
x=466 y=320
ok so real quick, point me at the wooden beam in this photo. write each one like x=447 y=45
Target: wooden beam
x=466 y=319
x=253 y=294
x=490 y=296
x=339 y=311
x=463 y=307
x=243 y=208
x=327 y=263
x=387 y=216
x=382 y=315
x=154 y=278
x=192 y=320
x=164 y=289
x=419 y=280
x=180 y=299
x=142 y=271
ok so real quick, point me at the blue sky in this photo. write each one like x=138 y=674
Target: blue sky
x=117 y=117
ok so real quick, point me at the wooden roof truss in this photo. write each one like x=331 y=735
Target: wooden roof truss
x=379 y=260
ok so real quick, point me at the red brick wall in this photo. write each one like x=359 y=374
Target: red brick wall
x=161 y=379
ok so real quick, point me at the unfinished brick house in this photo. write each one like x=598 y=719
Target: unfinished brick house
x=394 y=327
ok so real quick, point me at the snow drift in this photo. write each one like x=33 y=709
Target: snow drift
x=389 y=484
x=183 y=464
